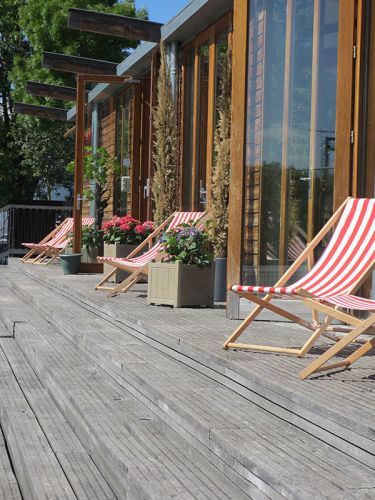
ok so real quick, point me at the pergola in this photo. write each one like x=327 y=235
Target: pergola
x=86 y=70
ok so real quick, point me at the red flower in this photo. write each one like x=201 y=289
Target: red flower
x=117 y=221
x=107 y=225
x=139 y=229
x=125 y=227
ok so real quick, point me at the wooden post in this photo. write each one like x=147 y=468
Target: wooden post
x=344 y=99
x=236 y=215
x=78 y=169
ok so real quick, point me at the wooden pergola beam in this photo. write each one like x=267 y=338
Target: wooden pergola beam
x=110 y=24
x=75 y=64
x=53 y=91
x=46 y=112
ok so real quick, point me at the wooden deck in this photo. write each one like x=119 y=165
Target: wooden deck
x=149 y=405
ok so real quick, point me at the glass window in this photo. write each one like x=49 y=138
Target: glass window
x=189 y=127
x=290 y=130
x=123 y=148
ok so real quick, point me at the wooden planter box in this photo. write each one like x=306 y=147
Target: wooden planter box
x=178 y=285
x=118 y=251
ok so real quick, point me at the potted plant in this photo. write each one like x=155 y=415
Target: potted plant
x=185 y=277
x=91 y=241
x=217 y=226
x=122 y=235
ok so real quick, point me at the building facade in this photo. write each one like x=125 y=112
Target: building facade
x=303 y=107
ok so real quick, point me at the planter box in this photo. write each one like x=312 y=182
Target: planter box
x=118 y=251
x=89 y=263
x=178 y=285
x=89 y=256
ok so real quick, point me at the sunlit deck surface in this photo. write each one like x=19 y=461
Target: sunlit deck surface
x=147 y=402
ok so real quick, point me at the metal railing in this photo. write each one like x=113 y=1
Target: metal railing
x=27 y=223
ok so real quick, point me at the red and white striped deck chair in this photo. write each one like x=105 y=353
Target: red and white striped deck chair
x=138 y=266
x=52 y=238
x=361 y=327
x=50 y=251
x=345 y=264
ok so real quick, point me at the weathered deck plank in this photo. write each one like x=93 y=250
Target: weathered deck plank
x=9 y=489
x=125 y=438
x=275 y=375
x=38 y=472
x=205 y=408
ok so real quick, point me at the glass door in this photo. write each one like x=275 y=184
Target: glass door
x=124 y=151
x=290 y=130
x=203 y=60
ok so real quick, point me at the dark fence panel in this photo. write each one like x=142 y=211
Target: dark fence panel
x=27 y=223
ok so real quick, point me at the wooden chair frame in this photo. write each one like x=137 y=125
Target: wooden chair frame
x=264 y=303
x=27 y=257
x=123 y=267
x=360 y=327
x=142 y=271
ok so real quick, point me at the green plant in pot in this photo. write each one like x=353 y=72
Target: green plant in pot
x=91 y=242
x=217 y=226
x=99 y=168
x=185 y=276
x=121 y=236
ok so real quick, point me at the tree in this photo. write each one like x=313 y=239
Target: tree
x=15 y=183
x=46 y=155
x=27 y=28
x=165 y=145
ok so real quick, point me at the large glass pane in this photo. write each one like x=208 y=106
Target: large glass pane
x=290 y=131
x=188 y=127
x=123 y=149
x=202 y=125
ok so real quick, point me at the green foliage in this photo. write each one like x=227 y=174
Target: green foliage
x=98 y=167
x=218 y=209
x=15 y=182
x=188 y=245
x=27 y=28
x=126 y=230
x=91 y=237
x=165 y=145
x=45 y=25
x=44 y=156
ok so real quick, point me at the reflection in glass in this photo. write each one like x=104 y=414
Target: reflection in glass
x=202 y=125
x=123 y=148
x=290 y=130
x=189 y=128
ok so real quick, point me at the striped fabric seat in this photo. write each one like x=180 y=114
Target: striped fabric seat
x=349 y=254
x=66 y=226
x=142 y=260
x=60 y=240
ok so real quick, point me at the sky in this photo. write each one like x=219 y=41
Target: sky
x=161 y=11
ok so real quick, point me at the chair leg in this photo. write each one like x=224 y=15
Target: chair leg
x=105 y=279
x=317 y=365
x=127 y=283
x=27 y=255
x=314 y=337
x=265 y=304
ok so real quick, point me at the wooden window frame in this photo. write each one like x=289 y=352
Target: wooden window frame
x=208 y=35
